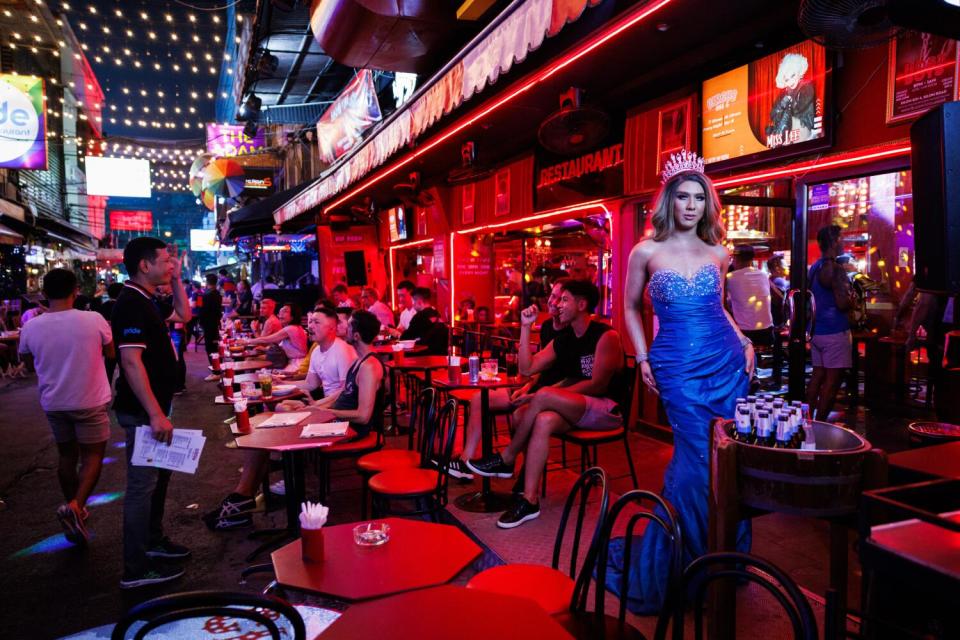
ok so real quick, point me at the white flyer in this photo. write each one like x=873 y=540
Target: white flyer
x=182 y=454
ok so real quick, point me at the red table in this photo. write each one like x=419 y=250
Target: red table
x=424 y=364
x=486 y=500
x=288 y=442
x=941 y=460
x=387 y=349
x=446 y=612
x=419 y=554
x=247 y=365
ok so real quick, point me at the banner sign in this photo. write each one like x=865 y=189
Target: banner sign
x=23 y=123
x=121 y=220
x=258 y=182
x=206 y=240
x=922 y=73
x=229 y=140
x=355 y=110
x=598 y=174
x=775 y=102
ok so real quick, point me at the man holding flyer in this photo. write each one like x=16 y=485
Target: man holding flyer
x=145 y=388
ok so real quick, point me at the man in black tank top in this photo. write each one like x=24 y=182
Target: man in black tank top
x=590 y=357
x=360 y=401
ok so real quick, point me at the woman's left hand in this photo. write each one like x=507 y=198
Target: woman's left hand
x=750 y=360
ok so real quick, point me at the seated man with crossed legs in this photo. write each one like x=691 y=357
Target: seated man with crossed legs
x=591 y=358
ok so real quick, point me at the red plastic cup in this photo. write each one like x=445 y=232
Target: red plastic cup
x=243 y=422
x=311 y=545
x=453 y=373
x=227 y=390
x=215 y=362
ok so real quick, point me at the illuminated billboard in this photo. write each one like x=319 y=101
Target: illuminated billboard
x=23 y=123
x=773 y=106
x=121 y=177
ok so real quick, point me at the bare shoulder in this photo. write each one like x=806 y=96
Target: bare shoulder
x=644 y=250
x=720 y=251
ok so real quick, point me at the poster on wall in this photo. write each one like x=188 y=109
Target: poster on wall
x=23 y=123
x=773 y=106
x=674 y=131
x=355 y=110
x=229 y=140
x=469 y=195
x=922 y=73
x=501 y=202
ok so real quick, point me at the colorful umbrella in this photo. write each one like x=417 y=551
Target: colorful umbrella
x=224 y=178
x=209 y=199
x=196 y=172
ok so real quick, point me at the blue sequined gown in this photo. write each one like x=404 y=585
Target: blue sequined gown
x=699 y=369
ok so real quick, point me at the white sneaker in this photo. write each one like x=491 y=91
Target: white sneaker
x=278 y=488
x=211 y=378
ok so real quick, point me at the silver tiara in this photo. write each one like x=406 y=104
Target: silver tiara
x=680 y=162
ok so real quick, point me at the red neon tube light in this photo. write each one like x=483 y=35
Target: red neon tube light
x=583 y=206
x=406 y=245
x=551 y=69
x=817 y=165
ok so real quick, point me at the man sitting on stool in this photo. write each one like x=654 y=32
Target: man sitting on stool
x=591 y=357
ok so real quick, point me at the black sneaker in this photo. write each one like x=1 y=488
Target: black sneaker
x=233 y=513
x=168 y=550
x=73 y=528
x=491 y=467
x=520 y=512
x=459 y=470
x=153 y=575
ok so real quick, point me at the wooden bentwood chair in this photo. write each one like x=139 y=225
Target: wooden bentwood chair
x=551 y=587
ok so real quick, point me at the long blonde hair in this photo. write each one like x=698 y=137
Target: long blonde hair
x=709 y=229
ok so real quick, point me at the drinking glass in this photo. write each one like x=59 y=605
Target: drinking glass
x=512 y=364
x=266 y=384
x=488 y=369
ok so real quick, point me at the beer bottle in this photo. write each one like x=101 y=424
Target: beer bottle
x=764 y=429
x=783 y=432
x=744 y=428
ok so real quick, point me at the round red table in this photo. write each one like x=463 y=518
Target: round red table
x=447 y=612
x=419 y=554
x=424 y=364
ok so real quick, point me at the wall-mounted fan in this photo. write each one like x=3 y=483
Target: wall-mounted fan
x=408 y=191
x=858 y=24
x=574 y=128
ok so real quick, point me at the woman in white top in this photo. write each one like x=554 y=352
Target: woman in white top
x=292 y=338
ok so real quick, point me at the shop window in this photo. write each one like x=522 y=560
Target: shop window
x=876 y=215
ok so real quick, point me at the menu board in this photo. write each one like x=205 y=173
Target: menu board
x=922 y=73
x=772 y=106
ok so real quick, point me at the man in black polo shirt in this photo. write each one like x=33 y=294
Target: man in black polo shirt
x=148 y=365
x=211 y=311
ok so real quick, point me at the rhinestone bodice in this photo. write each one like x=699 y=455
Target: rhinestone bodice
x=667 y=285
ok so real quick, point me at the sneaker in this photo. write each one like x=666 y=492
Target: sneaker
x=73 y=527
x=153 y=575
x=213 y=377
x=520 y=512
x=168 y=549
x=278 y=488
x=491 y=467
x=459 y=470
x=233 y=513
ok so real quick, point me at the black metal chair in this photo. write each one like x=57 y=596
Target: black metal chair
x=553 y=588
x=425 y=485
x=422 y=415
x=267 y=613
x=739 y=567
x=656 y=511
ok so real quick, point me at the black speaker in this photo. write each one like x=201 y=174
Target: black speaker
x=935 y=156
x=356 y=266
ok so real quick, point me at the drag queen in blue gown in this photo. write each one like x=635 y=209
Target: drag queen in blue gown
x=699 y=363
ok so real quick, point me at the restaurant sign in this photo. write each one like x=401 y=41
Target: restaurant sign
x=23 y=132
x=597 y=174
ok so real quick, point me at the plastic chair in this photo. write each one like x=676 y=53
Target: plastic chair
x=551 y=587
x=426 y=485
x=266 y=612
x=738 y=567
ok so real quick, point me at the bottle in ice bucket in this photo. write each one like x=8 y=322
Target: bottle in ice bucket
x=473 y=365
x=764 y=429
x=744 y=427
x=783 y=432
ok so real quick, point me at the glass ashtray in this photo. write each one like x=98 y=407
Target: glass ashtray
x=371 y=534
